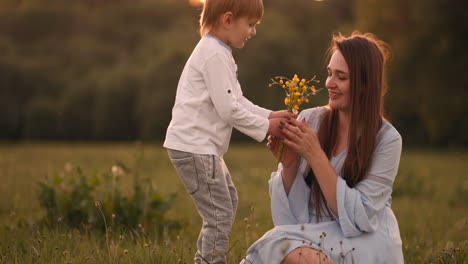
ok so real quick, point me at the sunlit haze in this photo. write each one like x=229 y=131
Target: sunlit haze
x=196 y=2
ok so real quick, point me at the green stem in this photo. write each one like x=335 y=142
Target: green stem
x=281 y=144
x=280 y=152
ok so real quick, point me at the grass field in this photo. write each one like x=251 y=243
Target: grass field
x=430 y=202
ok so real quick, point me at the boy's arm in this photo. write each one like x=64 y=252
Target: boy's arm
x=221 y=83
x=263 y=112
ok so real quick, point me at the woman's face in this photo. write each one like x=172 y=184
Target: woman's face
x=338 y=83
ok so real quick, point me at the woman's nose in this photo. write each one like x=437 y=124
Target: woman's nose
x=330 y=84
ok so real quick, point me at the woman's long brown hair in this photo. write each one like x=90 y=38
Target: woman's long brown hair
x=366 y=57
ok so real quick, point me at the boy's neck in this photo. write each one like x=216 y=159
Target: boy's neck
x=219 y=35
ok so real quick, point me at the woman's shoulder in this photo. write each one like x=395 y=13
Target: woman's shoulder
x=312 y=113
x=312 y=116
x=388 y=133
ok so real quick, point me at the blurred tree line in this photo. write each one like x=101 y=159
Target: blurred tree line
x=108 y=69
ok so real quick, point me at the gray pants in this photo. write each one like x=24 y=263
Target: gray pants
x=208 y=181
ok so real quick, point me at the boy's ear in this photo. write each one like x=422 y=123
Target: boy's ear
x=227 y=19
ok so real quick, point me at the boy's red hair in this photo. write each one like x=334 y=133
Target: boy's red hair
x=213 y=9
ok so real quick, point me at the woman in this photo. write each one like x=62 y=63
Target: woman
x=331 y=195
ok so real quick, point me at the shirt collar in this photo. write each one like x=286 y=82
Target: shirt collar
x=220 y=42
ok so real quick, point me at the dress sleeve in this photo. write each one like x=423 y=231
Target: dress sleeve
x=358 y=206
x=289 y=209
x=221 y=83
x=292 y=208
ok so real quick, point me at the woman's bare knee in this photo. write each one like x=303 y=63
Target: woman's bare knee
x=306 y=255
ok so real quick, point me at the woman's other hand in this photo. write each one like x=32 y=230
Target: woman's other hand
x=289 y=156
x=301 y=138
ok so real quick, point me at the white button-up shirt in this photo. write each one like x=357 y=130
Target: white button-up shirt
x=209 y=103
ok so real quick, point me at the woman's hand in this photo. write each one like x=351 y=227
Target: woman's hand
x=301 y=138
x=289 y=160
x=304 y=140
x=289 y=156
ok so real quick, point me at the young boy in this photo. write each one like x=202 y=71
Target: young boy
x=209 y=103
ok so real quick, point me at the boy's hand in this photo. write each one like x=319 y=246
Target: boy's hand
x=282 y=114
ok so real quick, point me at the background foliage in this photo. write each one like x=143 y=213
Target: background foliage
x=429 y=201
x=108 y=70
x=69 y=197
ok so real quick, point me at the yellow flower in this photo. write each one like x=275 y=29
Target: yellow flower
x=318 y=81
x=297 y=90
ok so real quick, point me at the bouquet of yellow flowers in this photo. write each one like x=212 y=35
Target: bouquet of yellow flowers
x=297 y=92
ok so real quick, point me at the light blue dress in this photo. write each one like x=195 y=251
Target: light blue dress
x=366 y=230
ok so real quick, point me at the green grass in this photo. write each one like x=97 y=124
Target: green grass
x=430 y=202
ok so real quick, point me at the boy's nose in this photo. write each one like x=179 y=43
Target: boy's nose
x=253 y=32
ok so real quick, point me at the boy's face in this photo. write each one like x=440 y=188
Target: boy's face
x=240 y=30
